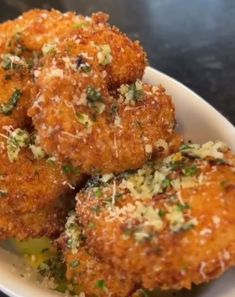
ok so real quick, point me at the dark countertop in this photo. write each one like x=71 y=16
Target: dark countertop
x=192 y=41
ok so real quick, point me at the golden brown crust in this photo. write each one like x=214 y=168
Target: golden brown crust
x=21 y=47
x=36 y=27
x=122 y=137
x=45 y=222
x=28 y=184
x=174 y=239
x=94 y=277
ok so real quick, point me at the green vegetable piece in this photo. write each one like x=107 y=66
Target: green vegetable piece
x=93 y=95
x=137 y=93
x=75 y=264
x=162 y=213
x=190 y=170
x=183 y=207
x=69 y=169
x=101 y=284
x=98 y=193
x=7 y=108
x=166 y=183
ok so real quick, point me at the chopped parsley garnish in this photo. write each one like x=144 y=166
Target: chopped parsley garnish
x=190 y=170
x=166 y=183
x=74 y=264
x=101 y=284
x=18 y=139
x=183 y=207
x=137 y=93
x=69 y=169
x=133 y=92
x=185 y=147
x=84 y=119
x=187 y=226
x=93 y=95
x=7 y=108
x=162 y=213
x=98 y=192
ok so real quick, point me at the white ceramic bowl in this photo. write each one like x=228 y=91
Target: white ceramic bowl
x=199 y=122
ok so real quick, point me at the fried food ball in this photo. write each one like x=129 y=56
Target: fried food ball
x=48 y=221
x=77 y=119
x=22 y=43
x=121 y=60
x=86 y=272
x=168 y=225
x=29 y=180
x=35 y=28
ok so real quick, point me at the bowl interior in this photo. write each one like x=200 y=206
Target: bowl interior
x=199 y=122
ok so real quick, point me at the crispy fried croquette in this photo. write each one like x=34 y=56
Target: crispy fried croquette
x=168 y=225
x=22 y=42
x=30 y=32
x=87 y=272
x=121 y=60
x=96 y=132
x=25 y=40
x=30 y=180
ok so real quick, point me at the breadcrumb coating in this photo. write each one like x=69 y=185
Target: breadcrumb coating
x=97 y=132
x=44 y=222
x=168 y=225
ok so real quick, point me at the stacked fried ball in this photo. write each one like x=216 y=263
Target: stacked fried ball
x=76 y=117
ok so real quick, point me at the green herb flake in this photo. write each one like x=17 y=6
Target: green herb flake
x=84 y=119
x=93 y=95
x=69 y=169
x=18 y=139
x=166 y=183
x=162 y=213
x=190 y=170
x=74 y=264
x=183 y=207
x=133 y=92
x=98 y=192
x=137 y=93
x=101 y=284
x=185 y=147
x=7 y=108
